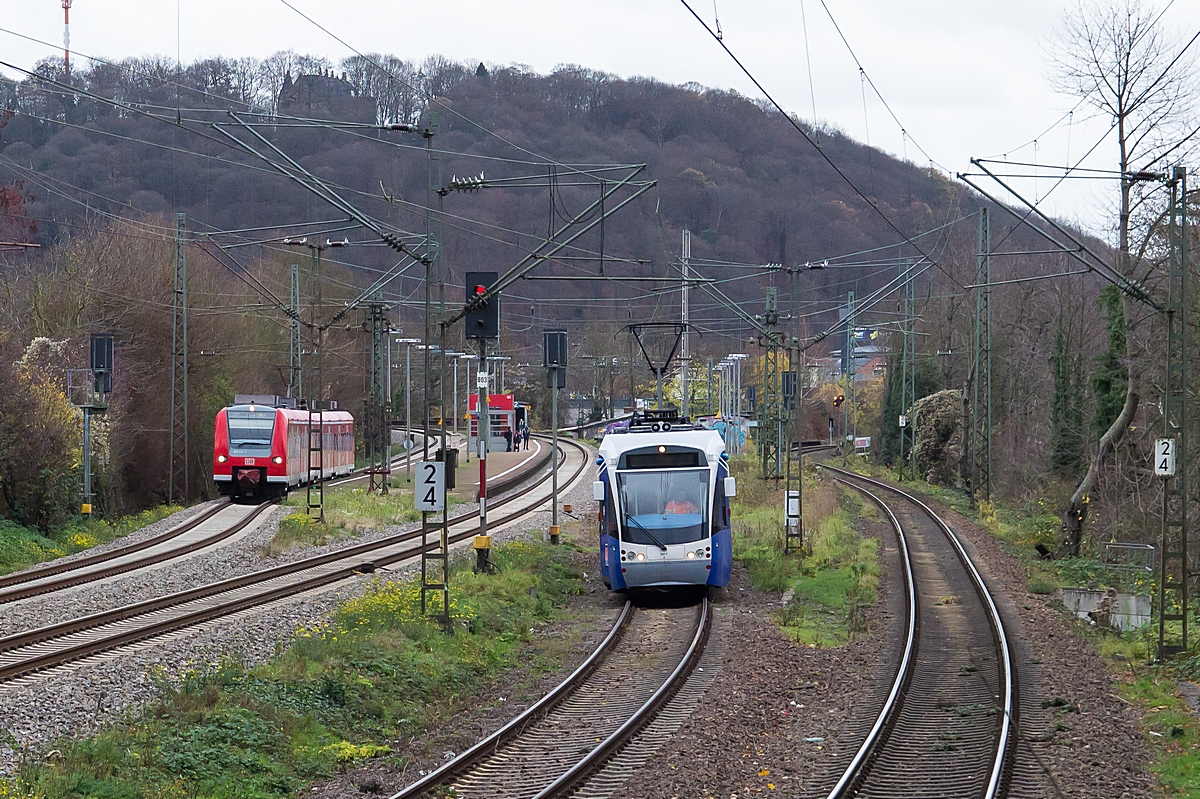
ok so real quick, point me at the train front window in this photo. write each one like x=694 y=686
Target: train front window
x=250 y=429
x=664 y=507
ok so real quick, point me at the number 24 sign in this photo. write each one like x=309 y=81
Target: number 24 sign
x=1164 y=457
x=429 y=489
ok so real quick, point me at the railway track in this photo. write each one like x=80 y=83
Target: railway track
x=555 y=746
x=202 y=530
x=47 y=647
x=947 y=726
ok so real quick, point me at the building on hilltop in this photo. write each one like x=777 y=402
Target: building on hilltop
x=324 y=97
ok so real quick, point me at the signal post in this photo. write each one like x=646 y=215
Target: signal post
x=482 y=324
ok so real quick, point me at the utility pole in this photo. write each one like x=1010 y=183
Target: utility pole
x=908 y=387
x=376 y=428
x=710 y=401
x=793 y=399
x=981 y=400
x=434 y=581
x=295 y=342
x=179 y=483
x=851 y=370
x=314 y=494
x=685 y=353
x=1174 y=567
x=770 y=414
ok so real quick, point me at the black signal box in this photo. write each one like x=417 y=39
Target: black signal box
x=483 y=317
x=554 y=350
x=102 y=362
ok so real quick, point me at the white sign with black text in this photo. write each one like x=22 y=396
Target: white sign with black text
x=429 y=489
x=1164 y=457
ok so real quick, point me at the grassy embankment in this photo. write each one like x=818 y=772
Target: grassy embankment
x=376 y=674
x=832 y=581
x=348 y=513
x=22 y=547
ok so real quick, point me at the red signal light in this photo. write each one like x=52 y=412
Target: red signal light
x=479 y=290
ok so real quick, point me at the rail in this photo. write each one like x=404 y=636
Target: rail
x=904 y=670
x=514 y=728
x=582 y=764
x=36 y=639
x=1005 y=737
x=78 y=577
x=49 y=570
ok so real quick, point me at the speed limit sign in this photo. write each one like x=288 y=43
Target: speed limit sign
x=429 y=489
x=1164 y=457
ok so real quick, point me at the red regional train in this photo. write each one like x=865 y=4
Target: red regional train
x=260 y=451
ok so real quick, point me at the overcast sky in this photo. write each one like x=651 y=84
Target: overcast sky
x=964 y=77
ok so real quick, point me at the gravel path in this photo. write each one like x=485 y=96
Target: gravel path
x=79 y=698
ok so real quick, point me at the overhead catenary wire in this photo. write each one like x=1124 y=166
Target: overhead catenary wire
x=820 y=150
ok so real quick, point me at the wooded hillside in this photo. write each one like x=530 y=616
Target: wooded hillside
x=83 y=171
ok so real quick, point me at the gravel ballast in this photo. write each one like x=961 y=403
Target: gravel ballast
x=76 y=699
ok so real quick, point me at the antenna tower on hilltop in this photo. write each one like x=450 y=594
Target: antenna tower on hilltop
x=66 y=4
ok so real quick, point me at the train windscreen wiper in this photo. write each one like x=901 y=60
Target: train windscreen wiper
x=660 y=544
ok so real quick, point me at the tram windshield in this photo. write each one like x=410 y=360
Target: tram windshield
x=249 y=428
x=664 y=507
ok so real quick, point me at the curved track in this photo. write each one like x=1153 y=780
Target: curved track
x=38 y=579
x=47 y=647
x=202 y=530
x=947 y=727
x=553 y=747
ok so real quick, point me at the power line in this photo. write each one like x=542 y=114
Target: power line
x=874 y=206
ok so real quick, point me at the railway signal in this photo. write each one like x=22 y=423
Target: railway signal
x=483 y=313
x=87 y=389
x=555 y=356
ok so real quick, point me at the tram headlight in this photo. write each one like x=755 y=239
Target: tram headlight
x=691 y=555
x=700 y=553
x=278 y=459
x=221 y=459
x=641 y=556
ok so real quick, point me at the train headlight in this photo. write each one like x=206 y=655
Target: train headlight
x=641 y=556
x=700 y=553
x=277 y=459
x=221 y=459
x=691 y=555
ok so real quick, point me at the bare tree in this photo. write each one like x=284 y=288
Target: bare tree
x=1120 y=61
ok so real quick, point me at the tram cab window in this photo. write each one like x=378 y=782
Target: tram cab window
x=667 y=507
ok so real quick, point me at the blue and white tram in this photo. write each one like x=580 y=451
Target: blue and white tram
x=663 y=492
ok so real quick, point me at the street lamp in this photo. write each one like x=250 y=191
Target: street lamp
x=464 y=356
x=500 y=359
x=454 y=413
x=408 y=345
x=737 y=359
x=428 y=349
